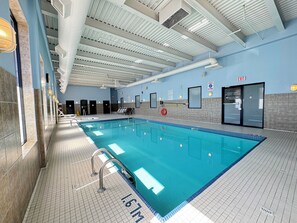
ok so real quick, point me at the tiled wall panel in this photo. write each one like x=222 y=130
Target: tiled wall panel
x=18 y=174
x=280 y=111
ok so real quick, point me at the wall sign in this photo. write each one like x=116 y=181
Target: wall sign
x=210 y=86
x=241 y=78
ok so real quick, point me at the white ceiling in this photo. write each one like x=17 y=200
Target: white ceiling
x=115 y=37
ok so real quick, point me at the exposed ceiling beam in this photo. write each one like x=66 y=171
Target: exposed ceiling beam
x=110 y=75
x=55 y=58
x=100 y=73
x=195 y=37
x=51 y=33
x=110 y=67
x=48 y=9
x=98 y=25
x=104 y=58
x=115 y=49
x=214 y=16
x=92 y=83
x=141 y=9
x=94 y=78
x=117 y=61
x=104 y=71
x=87 y=75
x=275 y=15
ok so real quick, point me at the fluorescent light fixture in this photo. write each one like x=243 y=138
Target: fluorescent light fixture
x=184 y=37
x=160 y=51
x=198 y=25
x=118 y=150
x=166 y=44
x=149 y=181
x=138 y=61
x=98 y=133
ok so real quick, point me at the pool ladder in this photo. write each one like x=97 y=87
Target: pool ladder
x=101 y=188
x=101 y=150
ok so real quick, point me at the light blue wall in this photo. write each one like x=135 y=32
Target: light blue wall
x=272 y=60
x=38 y=41
x=78 y=93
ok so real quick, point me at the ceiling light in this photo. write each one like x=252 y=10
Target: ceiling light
x=184 y=37
x=166 y=44
x=160 y=51
x=198 y=25
x=138 y=61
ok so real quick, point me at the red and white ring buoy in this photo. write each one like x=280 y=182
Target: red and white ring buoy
x=163 y=111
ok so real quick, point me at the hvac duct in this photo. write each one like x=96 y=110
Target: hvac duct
x=173 y=13
x=70 y=31
x=209 y=61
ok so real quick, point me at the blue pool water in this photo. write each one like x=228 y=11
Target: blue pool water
x=170 y=163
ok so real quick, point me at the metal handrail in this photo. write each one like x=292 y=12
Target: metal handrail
x=101 y=150
x=101 y=187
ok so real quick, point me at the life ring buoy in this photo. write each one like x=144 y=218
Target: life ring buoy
x=163 y=111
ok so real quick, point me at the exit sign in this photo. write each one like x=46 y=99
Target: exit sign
x=241 y=78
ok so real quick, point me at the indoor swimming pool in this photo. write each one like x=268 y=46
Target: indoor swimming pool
x=171 y=164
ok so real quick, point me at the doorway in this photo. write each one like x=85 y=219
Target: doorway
x=93 y=109
x=83 y=107
x=243 y=105
x=106 y=107
x=70 y=107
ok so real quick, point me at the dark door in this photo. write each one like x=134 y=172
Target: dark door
x=106 y=107
x=93 y=109
x=70 y=107
x=83 y=107
x=244 y=105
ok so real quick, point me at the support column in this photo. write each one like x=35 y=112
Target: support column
x=40 y=127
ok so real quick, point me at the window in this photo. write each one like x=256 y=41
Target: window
x=153 y=100
x=20 y=96
x=122 y=102
x=137 y=101
x=194 y=97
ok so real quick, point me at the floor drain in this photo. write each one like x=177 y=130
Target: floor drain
x=267 y=211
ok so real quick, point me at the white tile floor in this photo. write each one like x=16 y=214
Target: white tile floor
x=260 y=188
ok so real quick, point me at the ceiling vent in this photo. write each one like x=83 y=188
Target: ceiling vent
x=59 y=50
x=63 y=7
x=173 y=13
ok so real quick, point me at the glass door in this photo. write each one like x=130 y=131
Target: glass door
x=244 y=105
x=232 y=103
x=253 y=105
